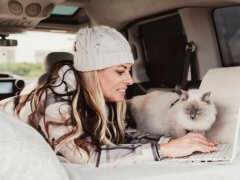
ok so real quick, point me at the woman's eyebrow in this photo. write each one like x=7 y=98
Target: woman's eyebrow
x=125 y=67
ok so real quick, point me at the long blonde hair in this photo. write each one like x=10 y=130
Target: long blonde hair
x=88 y=117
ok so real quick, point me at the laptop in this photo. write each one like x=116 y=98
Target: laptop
x=224 y=85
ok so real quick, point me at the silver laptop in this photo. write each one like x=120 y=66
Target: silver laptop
x=226 y=151
x=223 y=83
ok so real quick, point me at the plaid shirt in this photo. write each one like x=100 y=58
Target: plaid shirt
x=137 y=146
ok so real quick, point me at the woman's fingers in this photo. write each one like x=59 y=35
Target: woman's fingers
x=203 y=148
x=201 y=141
x=200 y=138
x=187 y=145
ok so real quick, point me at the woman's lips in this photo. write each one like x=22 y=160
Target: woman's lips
x=122 y=91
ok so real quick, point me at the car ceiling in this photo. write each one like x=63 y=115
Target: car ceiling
x=118 y=13
x=115 y=13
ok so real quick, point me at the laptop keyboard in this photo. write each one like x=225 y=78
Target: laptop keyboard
x=219 y=155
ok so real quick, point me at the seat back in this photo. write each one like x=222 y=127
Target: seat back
x=51 y=59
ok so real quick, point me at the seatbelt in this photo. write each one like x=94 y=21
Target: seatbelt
x=190 y=60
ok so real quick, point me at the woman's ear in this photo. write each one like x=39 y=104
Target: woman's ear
x=184 y=95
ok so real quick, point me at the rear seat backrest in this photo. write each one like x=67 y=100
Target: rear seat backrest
x=224 y=85
x=51 y=59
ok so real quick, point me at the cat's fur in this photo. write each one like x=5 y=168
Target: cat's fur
x=167 y=113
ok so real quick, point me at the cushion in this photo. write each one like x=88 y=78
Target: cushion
x=24 y=154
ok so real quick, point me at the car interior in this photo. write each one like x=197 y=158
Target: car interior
x=157 y=31
x=174 y=43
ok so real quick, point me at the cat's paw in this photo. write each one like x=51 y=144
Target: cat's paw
x=200 y=132
x=177 y=133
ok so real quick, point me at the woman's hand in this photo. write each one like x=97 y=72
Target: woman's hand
x=186 y=145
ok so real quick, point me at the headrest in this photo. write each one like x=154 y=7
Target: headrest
x=224 y=85
x=55 y=57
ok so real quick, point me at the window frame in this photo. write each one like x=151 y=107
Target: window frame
x=217 y=37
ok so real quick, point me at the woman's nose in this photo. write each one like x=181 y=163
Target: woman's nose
x=129 y=80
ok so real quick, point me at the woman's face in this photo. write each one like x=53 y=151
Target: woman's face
x=114 y=81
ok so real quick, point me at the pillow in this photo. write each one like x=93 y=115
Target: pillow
x=24 y=154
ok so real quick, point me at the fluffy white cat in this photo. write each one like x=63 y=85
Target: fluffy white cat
x=167 y=113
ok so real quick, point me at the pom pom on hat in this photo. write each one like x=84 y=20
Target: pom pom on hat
x=101 y=47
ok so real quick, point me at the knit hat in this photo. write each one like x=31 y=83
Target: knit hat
x=101 y=47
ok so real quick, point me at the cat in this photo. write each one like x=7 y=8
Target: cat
x=167 y=113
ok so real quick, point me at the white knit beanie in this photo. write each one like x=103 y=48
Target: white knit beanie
x=101 y=47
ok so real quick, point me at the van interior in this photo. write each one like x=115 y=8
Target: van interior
x=160 y=34
x=174 y=43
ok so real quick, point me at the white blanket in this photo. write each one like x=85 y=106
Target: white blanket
x=24 y=154
x=158 y=171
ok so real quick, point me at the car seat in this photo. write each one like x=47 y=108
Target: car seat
x=51 y=59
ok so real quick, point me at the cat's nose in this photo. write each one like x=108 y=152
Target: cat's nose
x=192 y=115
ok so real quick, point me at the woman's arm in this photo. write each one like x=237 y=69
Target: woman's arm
x=125 y=154
x=133 y=136
x=111 y=156
x=171 y=147
x=145 y=150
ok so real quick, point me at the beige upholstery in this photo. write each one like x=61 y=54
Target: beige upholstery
x=51 y=59
x=224 y=85
x=55 y=57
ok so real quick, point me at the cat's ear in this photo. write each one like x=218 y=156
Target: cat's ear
x=206 y=97
x=184 y=95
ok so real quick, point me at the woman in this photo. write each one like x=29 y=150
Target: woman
x=80 y=109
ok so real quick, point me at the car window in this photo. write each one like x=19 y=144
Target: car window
x=164 y=43
x=65 y=10
x=228 y=31
x=26 y=59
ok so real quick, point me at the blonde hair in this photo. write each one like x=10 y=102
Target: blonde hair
x=86 y=99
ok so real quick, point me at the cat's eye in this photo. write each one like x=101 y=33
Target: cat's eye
x=187 y=110
x=199 y=109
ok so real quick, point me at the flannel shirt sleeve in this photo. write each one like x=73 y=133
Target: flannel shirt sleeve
x=124 y=154
x=134 y=136
x=137 y=147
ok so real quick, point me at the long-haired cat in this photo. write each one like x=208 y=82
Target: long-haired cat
x=167 y=113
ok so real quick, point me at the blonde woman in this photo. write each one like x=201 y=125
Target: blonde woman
x=80 y=109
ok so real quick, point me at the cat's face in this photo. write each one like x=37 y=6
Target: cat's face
x=196 y=105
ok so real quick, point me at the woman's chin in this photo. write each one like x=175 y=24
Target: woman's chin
x=116 y=99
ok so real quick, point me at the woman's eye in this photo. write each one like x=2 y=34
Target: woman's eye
x=120 y=72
